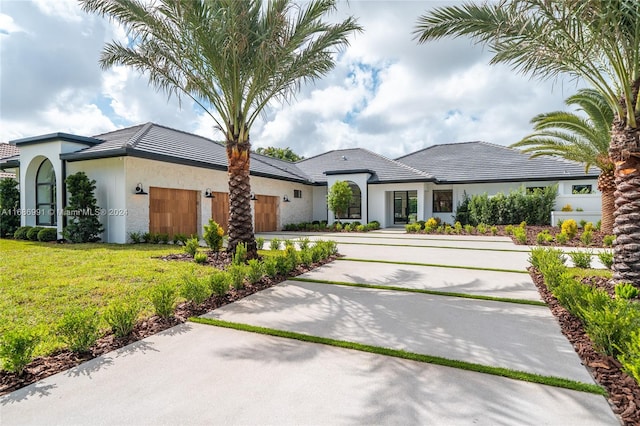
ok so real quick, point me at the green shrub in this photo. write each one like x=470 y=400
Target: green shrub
x=83 y=224
x=572 y=294
x=259 y=243
x=135 y=237
x=611 y=326
x=583 y=222
x=598 y=225
x=200 y=258
x=304 y=243
x=569 y=228
x=373 y=225
x=606 y=258
x=274 y=244
x=240 y=255
x=213 y=235
x=559 y=224
x=79 y=329
x=482 y=228
x=562 y=238
x=626 y=291
x=360 y=228
x=194 y=289
x=338 y=226
x=543 y=237
x=630 y=356
x=581 y=259
x=254 y=271
x=146 y=237
x=17 y=347
x=121 y=315
x=306 y=258
x=164 y=238
x=567 y=208
x=163 y=298
x=494 y=230
x=237 y=272
x=508 y=229
x=48 y=234
x=219 y=282
x=586 y=237
x=608 y=240
x=154 y=238
x=469 y=229
x=588 y=227
x=21 y=233
x=191 y=246
x=270 y=265
x=500 y=209
x=9 y=207
x=520 y=235
x=291 y=256
x=32 y=234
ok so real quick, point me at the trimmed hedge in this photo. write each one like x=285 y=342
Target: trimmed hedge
x=48 y=234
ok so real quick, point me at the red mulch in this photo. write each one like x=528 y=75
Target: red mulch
x=624 y=391
x=46 y=366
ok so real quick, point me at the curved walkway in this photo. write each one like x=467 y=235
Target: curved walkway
x=202 y=374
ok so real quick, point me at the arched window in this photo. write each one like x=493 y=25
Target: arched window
x=46 y=194
x=355 y=207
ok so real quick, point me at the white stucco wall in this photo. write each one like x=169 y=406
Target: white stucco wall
x=359 y=179
x=381 y=200
x=297 y=209
x=320 y=211
x=31 y=157
x=110 y=179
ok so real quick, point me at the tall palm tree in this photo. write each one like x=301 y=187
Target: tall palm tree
x=581 y=139
x=594 y=40
x=232 y=57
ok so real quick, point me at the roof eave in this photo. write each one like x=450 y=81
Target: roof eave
x=67 y=137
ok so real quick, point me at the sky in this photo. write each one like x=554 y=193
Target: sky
x=387 y=93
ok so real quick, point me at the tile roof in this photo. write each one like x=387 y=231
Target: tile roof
x=8 y=150
x=154 y=141
x=358 y=160
x=485 y=162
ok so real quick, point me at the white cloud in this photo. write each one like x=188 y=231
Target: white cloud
x=65 y=9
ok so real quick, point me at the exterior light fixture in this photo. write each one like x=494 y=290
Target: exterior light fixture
x=253 y=197
x=208 y=193
x=285 y=199
x=140 y=189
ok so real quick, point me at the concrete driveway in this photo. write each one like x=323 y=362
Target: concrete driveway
x=201 y=374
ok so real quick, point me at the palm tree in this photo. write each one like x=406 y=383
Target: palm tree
x=597 y=41
x=581 y=139
x=231 y=57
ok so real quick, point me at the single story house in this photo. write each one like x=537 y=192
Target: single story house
x=151 y=178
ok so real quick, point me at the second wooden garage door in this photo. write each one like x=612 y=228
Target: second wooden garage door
x=173 y=211
x=220 y=209
x=266 y=212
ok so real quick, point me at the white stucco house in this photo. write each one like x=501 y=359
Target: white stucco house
x=151 y=178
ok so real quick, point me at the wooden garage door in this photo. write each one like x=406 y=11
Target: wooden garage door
x=173 y=211
x=266 y=212
x=220 y=209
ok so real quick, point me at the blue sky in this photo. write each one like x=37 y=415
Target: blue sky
x=387 y=93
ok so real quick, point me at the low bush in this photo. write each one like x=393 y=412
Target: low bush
x=373 y=225
x=457 y=227
x=274 y=244
x=32 y=233
x=412 y=228
x=306 y=258
x=200 y=258
x=254 y=271
x=610 y=326
x=154 y=238
x=240 y=255
x=583 y=222
x=520 y=234
x=121 y=315
x=237 y=273
x=626 y=291
x=581 y=259
x=79 y=329
x=544 y=237
x=570 y=228
x=508 y=229
x=146 y=237
x=259 y=243
x=194 y=289
x=469 y=229
x=135 y=237
x=608 y=240
x=481 y=228
x=586 y=237
x=48 y=234
x=588 y=227
x=21 y=233
x=562 y=238
x=213 y=235
x=163 y=298
x=567 y=208
x=606 y=258
x=630 y=356
x=270 y=265
x=179 y=239
x=191 y=246
x=17 y=347
x=164 y=238
x=219 y=282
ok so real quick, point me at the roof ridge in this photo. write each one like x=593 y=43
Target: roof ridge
x=133 y=140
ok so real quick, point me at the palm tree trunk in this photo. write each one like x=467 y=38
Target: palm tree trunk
x=607 y=187
x=624 y=151
x=240 y=216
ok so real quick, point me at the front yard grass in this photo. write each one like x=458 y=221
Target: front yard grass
x=41 y=281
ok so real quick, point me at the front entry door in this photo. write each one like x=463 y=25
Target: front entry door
x=405 y=204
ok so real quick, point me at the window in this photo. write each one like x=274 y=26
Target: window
x=297 y=193
x=443 y=201
x=46 y=194
x=355 y=210
x=581 y=189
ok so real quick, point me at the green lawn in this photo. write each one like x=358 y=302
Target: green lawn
x=40 y=281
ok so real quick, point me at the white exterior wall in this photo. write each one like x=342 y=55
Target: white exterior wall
x=320 y=210
x=359 y=179
x=167 y=175
x=381 y=201
x=31 y=157
x=110 y=194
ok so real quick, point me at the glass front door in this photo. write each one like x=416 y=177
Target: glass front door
x=405 y=206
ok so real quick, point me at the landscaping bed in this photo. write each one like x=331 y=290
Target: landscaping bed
x=61 y=360
x=623 y=390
